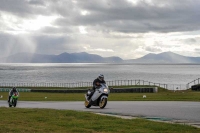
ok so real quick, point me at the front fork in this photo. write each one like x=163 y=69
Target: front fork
x=86 y=97
x=11 y=100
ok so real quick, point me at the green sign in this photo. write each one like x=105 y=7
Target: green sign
x=19 y=89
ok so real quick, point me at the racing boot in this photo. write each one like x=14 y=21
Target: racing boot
x=9 y=99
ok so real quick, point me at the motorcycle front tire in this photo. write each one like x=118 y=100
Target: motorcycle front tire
x=14 y=103
x=10 y=105
x=87 y=104
x=102 y=103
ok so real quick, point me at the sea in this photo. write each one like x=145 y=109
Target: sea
x=172 y=74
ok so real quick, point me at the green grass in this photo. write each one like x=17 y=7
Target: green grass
x=160 y=96
x=62 y=121
x=65 y=88
x=31 y=96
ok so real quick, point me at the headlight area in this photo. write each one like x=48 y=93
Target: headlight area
x=105 y=90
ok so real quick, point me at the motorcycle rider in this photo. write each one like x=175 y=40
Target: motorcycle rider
x=12 y=91
x=97 y=83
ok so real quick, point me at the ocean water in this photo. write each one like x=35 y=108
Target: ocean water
x=87 y=72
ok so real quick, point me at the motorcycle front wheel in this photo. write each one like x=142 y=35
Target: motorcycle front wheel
x=103 y=103
x=10 y=103
x=87 y=104
x=15 y=103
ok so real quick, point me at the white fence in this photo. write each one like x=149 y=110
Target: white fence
x=84 y=84
x=176 y=87
x=110 y=83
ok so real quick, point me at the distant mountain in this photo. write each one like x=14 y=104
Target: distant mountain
x=62 y=58
x=165 y=57
x=83 y=57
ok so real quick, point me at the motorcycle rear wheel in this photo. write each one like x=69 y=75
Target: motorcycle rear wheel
x=103 y=103
x=87 y=104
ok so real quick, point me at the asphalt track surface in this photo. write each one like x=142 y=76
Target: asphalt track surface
x=169 y=110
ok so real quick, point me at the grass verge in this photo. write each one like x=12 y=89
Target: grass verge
x=160 y=96
x=62 y=121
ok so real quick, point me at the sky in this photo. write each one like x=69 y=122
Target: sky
x=125 y=28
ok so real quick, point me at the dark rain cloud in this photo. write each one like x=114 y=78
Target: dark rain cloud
x=122 y=16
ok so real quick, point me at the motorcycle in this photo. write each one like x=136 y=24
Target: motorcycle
x=13 y=100
x=99 y=98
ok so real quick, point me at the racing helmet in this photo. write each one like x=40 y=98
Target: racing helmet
x=101 y=77
x=14 y=89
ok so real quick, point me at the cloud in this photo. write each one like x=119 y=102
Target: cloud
x=154 y=16
x=125 y=28
x=99 y=50
x=153 y=49
x=192 y=41
x=197 y=49
x=12 y=44
x=120 y=15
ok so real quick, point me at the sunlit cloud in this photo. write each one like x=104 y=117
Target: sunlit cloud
x=82 y=30
x=88 y=48
x=102 y=50
x=15 y=25
x=84 y=12
x=38 y=23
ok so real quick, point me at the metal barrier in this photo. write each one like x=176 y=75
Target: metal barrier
x=176 y=87
x=84 y=84
x=110 y=83
x=194 y=82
